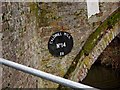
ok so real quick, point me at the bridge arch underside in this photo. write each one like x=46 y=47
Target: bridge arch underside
x=93 y=47
x=110 y=57
x=105 y=72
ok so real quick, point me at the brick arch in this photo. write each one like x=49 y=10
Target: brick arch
x=94 y=46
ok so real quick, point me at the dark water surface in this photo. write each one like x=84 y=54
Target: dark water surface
x=103 y=78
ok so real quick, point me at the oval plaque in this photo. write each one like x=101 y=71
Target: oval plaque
x=60 y=43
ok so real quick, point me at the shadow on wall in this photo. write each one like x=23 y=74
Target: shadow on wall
x=105 y=72
x=111 y=55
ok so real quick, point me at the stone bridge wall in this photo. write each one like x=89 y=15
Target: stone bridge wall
x=85 y=64
x=26 y=29
x=19 y=44
x=94 y=46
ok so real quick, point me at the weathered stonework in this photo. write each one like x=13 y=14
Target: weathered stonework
x=1 y=69
x=111 y=59
x=83 y=67
x=26 y=29
x=19 y=44
x=79 y=15
x=78 y=68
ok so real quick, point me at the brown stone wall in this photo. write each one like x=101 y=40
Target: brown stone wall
x=0 y=47
x=19 y=44
x=26 y=29
x=70 y=17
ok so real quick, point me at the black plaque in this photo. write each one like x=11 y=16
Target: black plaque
x=60 y=43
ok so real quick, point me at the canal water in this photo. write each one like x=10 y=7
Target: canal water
x=103 y=77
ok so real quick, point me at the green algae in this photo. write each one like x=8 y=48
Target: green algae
x=93 y=39
x=40 y=14
x=42 y=20
x=44 y=15
x=107 y=24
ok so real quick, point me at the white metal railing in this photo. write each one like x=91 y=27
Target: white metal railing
x=44 y=75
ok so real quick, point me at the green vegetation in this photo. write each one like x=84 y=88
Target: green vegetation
x=93 y=39
x=44 y=15
x=40 y=14
x=107 y=24
x=42 y=20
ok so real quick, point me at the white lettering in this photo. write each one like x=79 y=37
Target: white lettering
x=61 y=53
x=57 y=34
x=54 y=36
x=67 y=35
x=64 y=44
x=61 y=45
x=58 y=45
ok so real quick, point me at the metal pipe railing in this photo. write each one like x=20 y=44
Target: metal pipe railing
x=43 y=75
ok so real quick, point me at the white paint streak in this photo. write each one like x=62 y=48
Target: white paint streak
x=92 y=7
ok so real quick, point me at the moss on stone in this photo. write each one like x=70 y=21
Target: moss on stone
x=40 y=14
x=74 y=64
x=44 y=15
x=93 y=39
x=107 y=24
x=110 y=35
